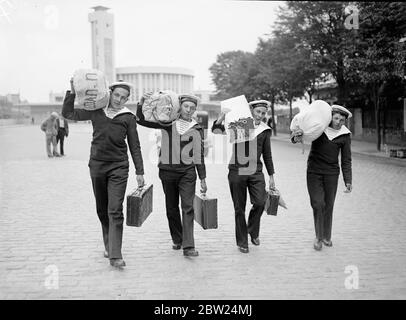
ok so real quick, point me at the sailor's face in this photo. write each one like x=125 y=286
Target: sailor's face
x=337 y=121
x=259 y=114
x=119 y=97
x=187 y=109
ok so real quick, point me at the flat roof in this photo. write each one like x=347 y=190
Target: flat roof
x=100 y=8
x=154 y=69
x=39 y=104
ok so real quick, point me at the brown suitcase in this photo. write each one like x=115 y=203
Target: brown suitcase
x=139 y=205
x=205 y=211
x=272 y=202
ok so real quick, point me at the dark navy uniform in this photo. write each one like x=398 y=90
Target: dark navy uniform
x=254 y=181
x=109 y=165
x=181 y=155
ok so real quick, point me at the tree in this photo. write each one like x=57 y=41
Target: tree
x=288 y=66
x=376 y=62
x=232 y=73
x=320 y=27
x=267 y=84
x=236 y=73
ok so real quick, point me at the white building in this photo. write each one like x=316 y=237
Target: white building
x=56 y=97
x=102 y=29
x=13 y=98
x=151 y=79
x=206 y=96
x=144 y=79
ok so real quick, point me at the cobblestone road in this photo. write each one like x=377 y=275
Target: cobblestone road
x=49 y=231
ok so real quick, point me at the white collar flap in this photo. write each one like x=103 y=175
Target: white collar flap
x=332 y=133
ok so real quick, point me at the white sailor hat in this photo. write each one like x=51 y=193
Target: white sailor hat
x=259 y=103
x=121 y=84
x=342 y=110
x=188 y=97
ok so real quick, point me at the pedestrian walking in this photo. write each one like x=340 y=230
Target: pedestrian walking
x=247 y=155
x=323 y=172
x=181 y=154
x=108 y=162
x=63 y=131
x=49 y=126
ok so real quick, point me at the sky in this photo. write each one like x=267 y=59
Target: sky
x=42 y=42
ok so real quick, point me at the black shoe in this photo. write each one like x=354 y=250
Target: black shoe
x=105 y=254
x=327 y=243
x=317 y=244
x=190 y=253
x=243 y=249
x=176 y=246
x=118 y=263
x=255 y=241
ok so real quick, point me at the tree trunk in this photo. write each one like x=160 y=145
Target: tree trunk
x=377 y=117
x=341 y=86
x=384 y=105
x=290 y=109
x=273 y=116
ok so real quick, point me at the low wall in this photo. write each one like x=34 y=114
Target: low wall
x=393 y=137
x=13 y=122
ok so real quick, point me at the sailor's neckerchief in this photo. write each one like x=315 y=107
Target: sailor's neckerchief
x=180 y=125
x=113 y=115
x=259 y=129
x=333 y=133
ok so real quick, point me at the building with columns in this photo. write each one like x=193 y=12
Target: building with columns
x=102 y=30
x=147 y=79
x=144 y=78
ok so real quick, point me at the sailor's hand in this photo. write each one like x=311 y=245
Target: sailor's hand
x=297 y=135
x=72 y=88
x=145 y=96
x=140 y=181
x=203 y=186
x=271 y=182
x=221 y=118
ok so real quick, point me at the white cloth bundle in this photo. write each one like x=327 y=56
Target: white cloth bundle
x=91 y=89
x=162 y=106
x=313 y=120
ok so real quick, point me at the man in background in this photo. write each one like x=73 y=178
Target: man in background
x=49 y=126
x=63 y=131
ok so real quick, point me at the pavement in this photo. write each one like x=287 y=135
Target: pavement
x=51 y=242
